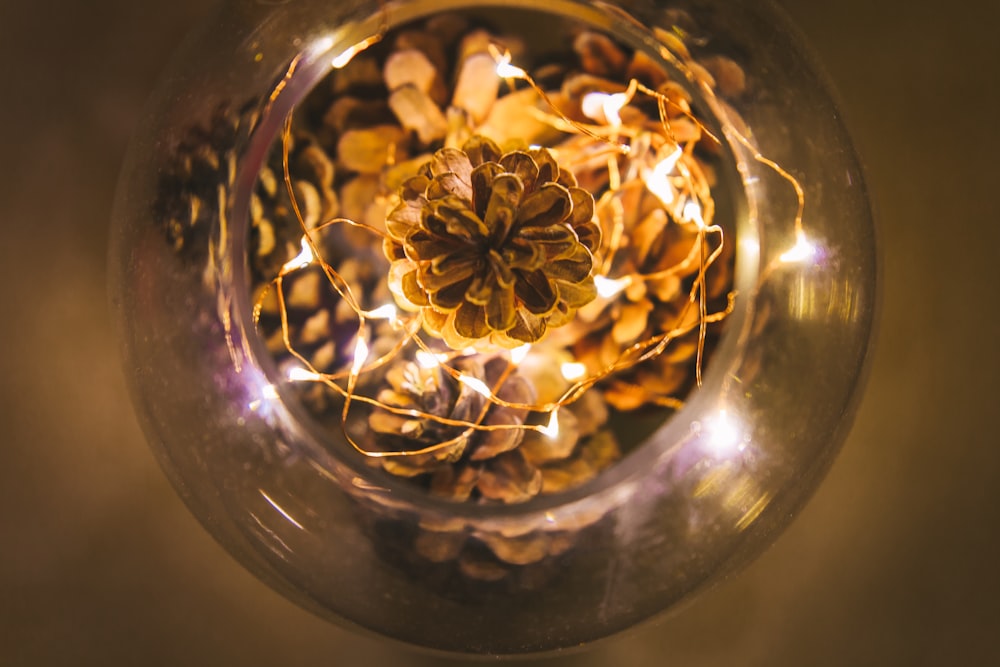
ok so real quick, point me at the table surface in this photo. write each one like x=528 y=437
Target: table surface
x=894 y=562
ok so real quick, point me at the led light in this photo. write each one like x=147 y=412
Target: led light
x=551 y=430
x=303 y=259
x=658 y=181
x=602 y=106
x=475 y=384
x=507 y=71
x=299 y=374
x=573 y=371
x=322 y=45
x=692 y=213
x=802 y=251
x=504 y=69
x=426 y=359
x=725 y=437
x=608 y=288
x=360 y=355
x=518 y=354
x=386 y=312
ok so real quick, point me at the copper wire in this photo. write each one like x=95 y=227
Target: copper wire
x=694 y=188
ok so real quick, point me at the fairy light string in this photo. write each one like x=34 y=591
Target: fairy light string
x=656 y=160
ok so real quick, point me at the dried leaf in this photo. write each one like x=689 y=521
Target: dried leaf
x=477 y=86
x=417 y=112
x=369 y=150
x=409 y=67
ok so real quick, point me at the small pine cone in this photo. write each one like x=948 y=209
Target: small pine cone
x=199 y=166
x=478 y=464
x=492 y=246
x=275 y=230
x=200 y=171
x=581 y=449
x=322 y=327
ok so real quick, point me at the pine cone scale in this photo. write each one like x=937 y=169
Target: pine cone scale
x=540 y=208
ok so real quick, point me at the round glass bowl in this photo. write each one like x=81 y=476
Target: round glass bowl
x=662 y=388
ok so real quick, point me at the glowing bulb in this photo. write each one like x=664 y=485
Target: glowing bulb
x=504 y=69
x=507 y=71
x=602 y=106
x=802 y=251
x=299 y=374
x=386 y=312
x=303 y=259
x=518 y=354
x=476 y=385
x=658 y=179
x=573 y=371
x=322 y=45
x=360 y=355
x=692 y=213
x=608 y=288
x=268 y=393
x=724 y=435
x=751 y=247
x=347 y=55
x=551 y=430
x=426 y=359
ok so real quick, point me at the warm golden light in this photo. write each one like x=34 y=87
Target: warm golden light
x=386 y=312
x=692 y=213
x=802 y=251
x=299 y=374
x=551 y=430
x=604 y=107
x=426 y=359
x=302 y=260
x=476 y=385
x=608 y=288
x=504 y=69
x=725 y=437
x=360 y=355
x=658 y=178
x=518 y=354
x=572 y=370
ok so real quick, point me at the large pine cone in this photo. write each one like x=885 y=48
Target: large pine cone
x=477 y=464
x=492 y=246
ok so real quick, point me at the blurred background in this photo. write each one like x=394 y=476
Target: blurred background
x=896 y=561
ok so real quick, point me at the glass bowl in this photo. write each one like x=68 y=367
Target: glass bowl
x=692 y=494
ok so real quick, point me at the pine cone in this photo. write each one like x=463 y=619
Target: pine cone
x=479 y=464
x=200 y=173
x=492 y=246
x=605 y=328
x=189 y=185
x=275 y=231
